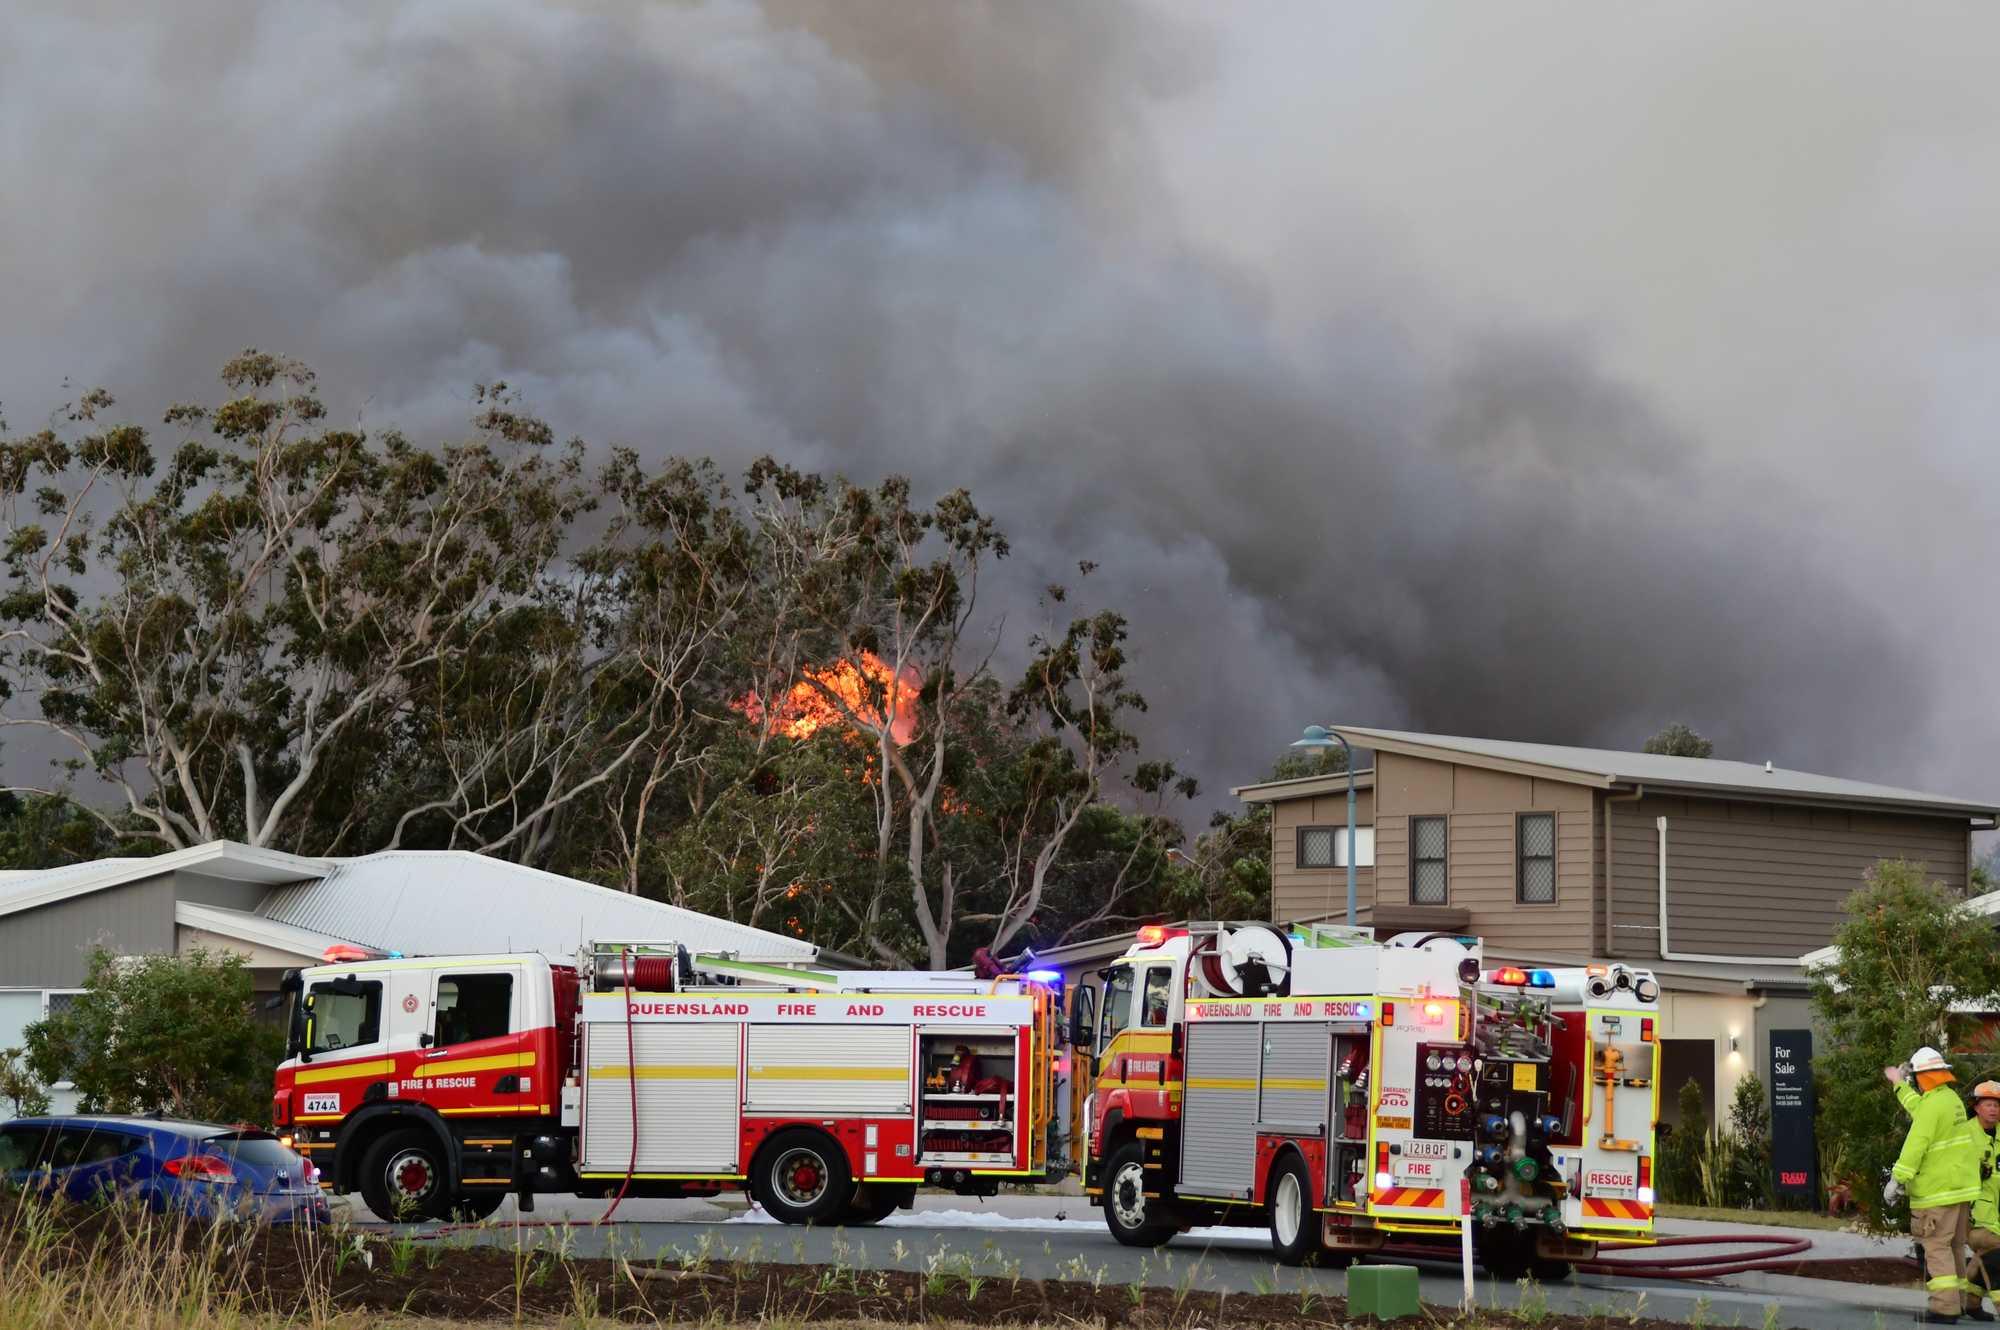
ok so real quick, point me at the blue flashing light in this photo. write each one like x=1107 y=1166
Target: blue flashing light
x=1541 y=979
x=1045 y=976
x=395 y=955
x=1364 y=1011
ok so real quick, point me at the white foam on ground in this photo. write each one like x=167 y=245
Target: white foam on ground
x=988 y=1219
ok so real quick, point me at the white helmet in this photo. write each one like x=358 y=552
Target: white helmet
x=1928 y=1059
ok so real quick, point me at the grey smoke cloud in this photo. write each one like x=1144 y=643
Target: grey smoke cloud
x=1395 y=367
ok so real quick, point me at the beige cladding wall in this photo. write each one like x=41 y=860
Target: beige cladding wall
x=1756 y=879
x=1315 y=893
x=1479 y=848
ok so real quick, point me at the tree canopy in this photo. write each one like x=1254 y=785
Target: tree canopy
x=771 y=697
x=1677 y=740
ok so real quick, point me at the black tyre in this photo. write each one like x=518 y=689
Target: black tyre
x=470 y=1207
x=1135 y=1219
x=875 y=1202
x=406 y=1177
x=1549 y=1272
x=1505 y=1254
x=801 y=1177
x=1294 y=1222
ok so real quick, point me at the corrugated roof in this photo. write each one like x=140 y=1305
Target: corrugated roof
x=432 y=902
x=247 y=927
x=1608 y=766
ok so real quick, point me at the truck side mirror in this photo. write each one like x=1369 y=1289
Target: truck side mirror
x=1083 y=1019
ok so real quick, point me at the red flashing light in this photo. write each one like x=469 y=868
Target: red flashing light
x=1507 y=974
x=344 y=951
x=1433 y=1012
x=200 y=1168
x=1388 y=1013
x=1152 y=935
x=1646 y=1030
x=1645 y=1170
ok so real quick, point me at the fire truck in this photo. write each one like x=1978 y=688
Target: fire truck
x=439 y=1085
x=1347 y=1093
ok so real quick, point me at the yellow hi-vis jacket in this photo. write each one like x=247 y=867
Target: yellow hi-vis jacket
x=1939 y=1164
x=1986 y=1210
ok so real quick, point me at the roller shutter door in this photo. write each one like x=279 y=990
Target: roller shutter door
x=1296 y=1058
x=688 y=1099
x=1219 y=1109
x=855 y=1070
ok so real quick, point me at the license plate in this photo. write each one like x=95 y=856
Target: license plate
x=1427 y=1150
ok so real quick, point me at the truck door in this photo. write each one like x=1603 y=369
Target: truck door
x=476 y=1056
x=342 y=1048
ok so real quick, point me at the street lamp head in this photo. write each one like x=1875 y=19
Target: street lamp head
x=1316 y=736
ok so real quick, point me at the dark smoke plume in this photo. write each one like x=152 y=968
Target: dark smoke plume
x=1050 y=252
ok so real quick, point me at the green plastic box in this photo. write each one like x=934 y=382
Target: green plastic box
x=1382 y=1291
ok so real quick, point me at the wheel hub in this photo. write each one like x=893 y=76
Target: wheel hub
x=801 y=1176
x=410 y=1175
x=1128 y=1195
x=1285 y=1212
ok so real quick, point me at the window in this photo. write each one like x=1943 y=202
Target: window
x=1535 y=858
x=76 y=1147
x=1117 y=1004
x=474 y=1006
x=345 y=1014
x=21 y=1148
x=1159 y=996
x=1326 y=847
x=1427 y=875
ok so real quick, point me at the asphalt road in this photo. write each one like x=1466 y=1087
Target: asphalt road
x=1078 y=1247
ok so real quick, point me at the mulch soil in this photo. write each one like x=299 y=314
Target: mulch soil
x=1881 y=1271
x=286 y=1272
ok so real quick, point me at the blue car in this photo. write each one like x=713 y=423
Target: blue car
x=196 y=1169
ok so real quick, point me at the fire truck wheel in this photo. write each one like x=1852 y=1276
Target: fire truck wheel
x=1131 y=1214
x=1505 y=1254
x=403 y=1177
x=801 y=1177
x=876 y=1202
x=1551 y=1272
x=1294 y=1225
x=469 y=1207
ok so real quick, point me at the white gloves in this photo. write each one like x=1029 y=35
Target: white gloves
x=1891 y=1192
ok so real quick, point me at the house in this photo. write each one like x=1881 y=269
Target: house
x=282 y=911
x=1719 y=876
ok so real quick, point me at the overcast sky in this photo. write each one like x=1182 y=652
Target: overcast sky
x=1537 y=371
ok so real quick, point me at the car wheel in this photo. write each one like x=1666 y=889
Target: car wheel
x=469 y=1207
x=1133 y=1216
x=876 y=1202
x=1294 y=1223
x=801 y=1177
x=405 y=1178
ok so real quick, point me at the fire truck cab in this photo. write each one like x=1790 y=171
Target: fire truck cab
x=438 y=1085
x=1342 y=1091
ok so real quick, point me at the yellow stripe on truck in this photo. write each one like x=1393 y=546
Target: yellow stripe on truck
x=829 y=1073
x=314 y=1075
x=713 y=1073
x=1222 y=1083
x=458 y=1066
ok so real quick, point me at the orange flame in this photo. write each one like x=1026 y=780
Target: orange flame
x=864 y=690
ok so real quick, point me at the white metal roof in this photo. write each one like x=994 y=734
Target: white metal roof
x=253 y=928
x=223 y=859
x=1608 y=766
x=435 y=902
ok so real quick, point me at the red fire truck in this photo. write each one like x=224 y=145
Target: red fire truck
x=1343 y=1091
x=439 y=1085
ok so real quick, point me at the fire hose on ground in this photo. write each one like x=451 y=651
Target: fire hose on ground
x=1773 y=1254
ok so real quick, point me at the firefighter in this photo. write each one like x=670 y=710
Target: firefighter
x=1939 y=1166
x=1984 y=1234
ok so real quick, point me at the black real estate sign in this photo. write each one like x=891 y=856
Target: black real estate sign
x=1794 y=1157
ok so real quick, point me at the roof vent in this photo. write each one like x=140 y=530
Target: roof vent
x=1767 y=766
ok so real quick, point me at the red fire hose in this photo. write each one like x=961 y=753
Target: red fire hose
x=1772 y=1253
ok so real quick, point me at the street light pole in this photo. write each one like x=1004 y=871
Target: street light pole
x=1320 y=736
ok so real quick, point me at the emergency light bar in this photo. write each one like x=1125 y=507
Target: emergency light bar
x=1515 y=977
x=1152 y=935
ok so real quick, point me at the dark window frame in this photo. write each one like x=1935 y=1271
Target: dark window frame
x=369 y=1031
x=1521 y=858
x=462 y=1033
x=1165 y=974
x=1444 y=821
x=1336 y=837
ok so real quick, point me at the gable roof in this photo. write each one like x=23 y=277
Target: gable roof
x=436 y=902
x=1298 y=787
x=1609 y=768
x=433 y=902
x=223 y=859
